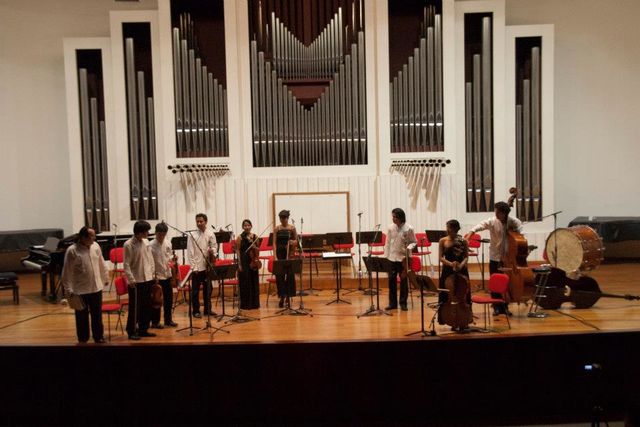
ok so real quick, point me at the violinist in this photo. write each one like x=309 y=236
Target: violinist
x=454 y=254
x=399 y=236
x=162 y=254
x=248 y=275
x=286 y=283
x=201 y=243
x=498 y=227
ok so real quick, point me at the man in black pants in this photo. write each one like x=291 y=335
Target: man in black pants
x=84 y=274
x=162 y=254
x=201 y=243
x=399 y=236
x=140 y=270
x=498 y=228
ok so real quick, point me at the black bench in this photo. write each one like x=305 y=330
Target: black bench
x=9 y=281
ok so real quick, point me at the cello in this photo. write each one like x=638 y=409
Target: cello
x=456 y=312
x=514 y=262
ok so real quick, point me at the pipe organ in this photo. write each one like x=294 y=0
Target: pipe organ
x=200 y=95
x=528 y=128
x=93 y=136
x=308 y=89
x=479 y=112
x=416 y=94
x=140 y=121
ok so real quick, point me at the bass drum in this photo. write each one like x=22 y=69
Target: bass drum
x=579 y=248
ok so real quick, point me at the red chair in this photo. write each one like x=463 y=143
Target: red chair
x=229 y=248
x=183 y=271
x=499 y=284
x=312 y=255
x=122 y=288
x=423 y=247
x=116 y=256
x=264 y=247
x=345 y=247
x=230 y=282
x=271 y=280
x=474 y=246
x=416 y=267
x=378 y=245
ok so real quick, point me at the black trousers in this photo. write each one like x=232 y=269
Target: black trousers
x=199 y=278
x=393 y=285
x=140 y=301
x=167 y=304
x=494 y=267
x=93 y=307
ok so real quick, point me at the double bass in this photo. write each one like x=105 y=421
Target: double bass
x=514 y=263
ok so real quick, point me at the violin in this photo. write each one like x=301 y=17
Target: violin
x=456 y=312
x=157 y=298
x=174 y=271
x=254 y=254
x=514 y=262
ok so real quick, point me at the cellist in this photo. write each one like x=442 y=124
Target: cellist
x=248 y=277
x=498 y=227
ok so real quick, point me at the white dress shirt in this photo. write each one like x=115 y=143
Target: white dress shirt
x=84 y=270
x=204 y=240
x=138 y=261
x=498 y=235
x=162 y=254
x=398 y=238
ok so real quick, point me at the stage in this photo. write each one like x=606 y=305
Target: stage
x=37 y=322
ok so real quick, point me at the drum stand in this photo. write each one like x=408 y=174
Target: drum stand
x=542 y=277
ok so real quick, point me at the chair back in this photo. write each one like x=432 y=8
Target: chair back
x=383 y=241
x=499 y=283
x=116 y=255
x=228 y=248
x=264 y=245
x=183 y=270
x=416 y=264
x=270 y=264
x=122 y=285
x=474 y=241
x=423 y=240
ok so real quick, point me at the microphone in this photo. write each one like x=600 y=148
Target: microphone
x=227 y=227
x=301 y=220
x=293 y=221
x=378 y=226
x=114 y=225
x=360 y=213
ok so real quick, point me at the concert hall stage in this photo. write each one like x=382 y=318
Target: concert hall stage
x=331 y=368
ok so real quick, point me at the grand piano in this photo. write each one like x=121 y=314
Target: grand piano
x=48 y=259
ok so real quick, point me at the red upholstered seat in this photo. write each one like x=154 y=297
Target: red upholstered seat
x=498 y=284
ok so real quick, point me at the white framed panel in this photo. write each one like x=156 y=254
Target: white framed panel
x=501 y=185
x=122 y=215
x=546 y=32
x=70 y=46
x=326 y=212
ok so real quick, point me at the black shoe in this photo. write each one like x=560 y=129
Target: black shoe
x=170 y=324
x=146 y=334
x=391 y=307
x=281 y=303
x=197 y=315
x=403 y=307
x=509 y=313
x=134 y=337
x=157 y=326
x=100 y=341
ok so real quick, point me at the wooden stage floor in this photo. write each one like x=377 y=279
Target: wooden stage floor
x=36 y=322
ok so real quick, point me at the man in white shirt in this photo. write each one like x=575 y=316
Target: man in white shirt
x=399 y=236
x=201 y=247
x=84 y=273
x=162 y=255
x=140 y=270
x=498 y=227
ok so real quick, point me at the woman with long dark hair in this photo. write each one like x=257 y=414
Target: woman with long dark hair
x=248 y=278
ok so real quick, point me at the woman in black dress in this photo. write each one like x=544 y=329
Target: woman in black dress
x=248 y=278
x=454 y=254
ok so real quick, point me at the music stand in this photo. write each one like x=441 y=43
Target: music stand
x=368 y=237
x=179 y=243
x=377 y=265
x=311 y=243
x=422 y=282
x=219 y=273
x=289 y=266
x=336 y=257
x=341 y=238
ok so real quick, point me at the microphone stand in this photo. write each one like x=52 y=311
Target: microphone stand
x=555 y=238
x=208 y=325
x=115 y=246
x=301 y=311
x=373 y=310
x=239 y=317
x=360 y=252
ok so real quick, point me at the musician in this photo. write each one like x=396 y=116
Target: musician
x=248 y=278
x=84 y=273
x=454 y=254
x=202 y=252
x=286 y=283
x=399 y=236
x=139 y=268
x=162 y=255
x=498 y=227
